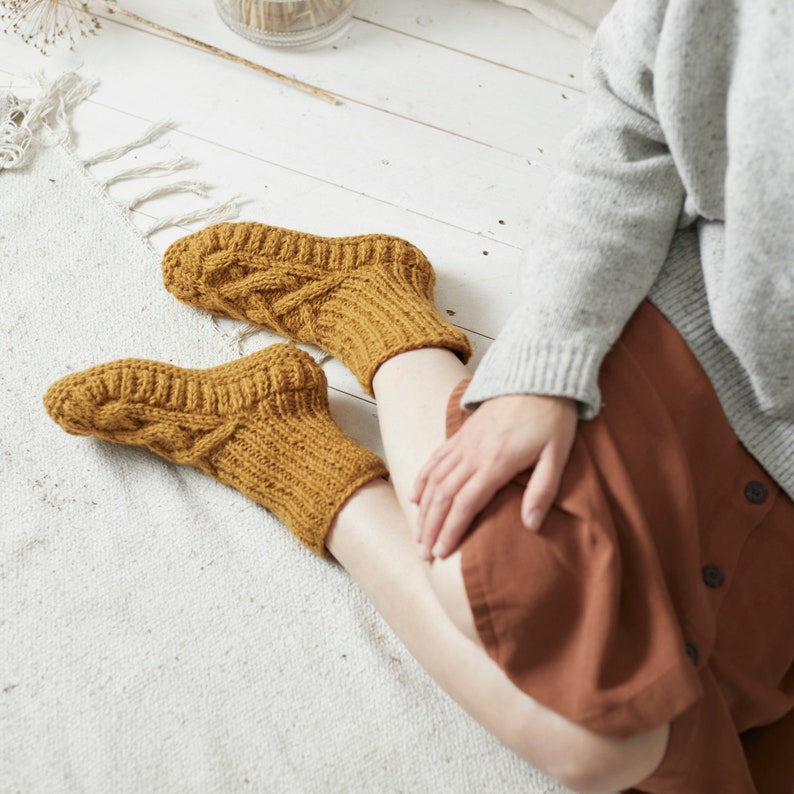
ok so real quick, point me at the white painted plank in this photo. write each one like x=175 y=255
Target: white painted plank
x=484 y=29
x=379 y=155
x=406 y=76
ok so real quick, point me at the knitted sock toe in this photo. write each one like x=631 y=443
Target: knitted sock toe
x=261 y=424
x=362 y=299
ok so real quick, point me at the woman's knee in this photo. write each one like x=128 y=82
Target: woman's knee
x=595 y=765
x=583 y=761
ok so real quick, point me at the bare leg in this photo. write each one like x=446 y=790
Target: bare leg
x=412 y=391
x=371 y=539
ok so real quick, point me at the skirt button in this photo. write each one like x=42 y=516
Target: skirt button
x=755 y=492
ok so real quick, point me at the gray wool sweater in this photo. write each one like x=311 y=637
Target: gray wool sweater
x=677 y=187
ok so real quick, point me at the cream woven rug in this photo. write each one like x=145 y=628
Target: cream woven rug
x=158 y=632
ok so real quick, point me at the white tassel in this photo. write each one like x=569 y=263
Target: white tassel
x=57 y=99
x=21 y=120
x=221 y=212
x=151 y=134
x=163 y=167
x=14 y=134
x=197 y=188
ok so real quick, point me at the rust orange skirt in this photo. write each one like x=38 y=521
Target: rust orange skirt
x=661 y=588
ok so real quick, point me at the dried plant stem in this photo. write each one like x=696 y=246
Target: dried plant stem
x=310 y=89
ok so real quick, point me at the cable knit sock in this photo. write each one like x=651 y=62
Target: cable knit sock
x=260 y=424
x=362 y=299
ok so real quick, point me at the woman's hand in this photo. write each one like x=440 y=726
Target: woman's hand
x=505 y=436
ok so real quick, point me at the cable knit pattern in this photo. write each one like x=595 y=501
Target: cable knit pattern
x=260 y=424
x=362 y=299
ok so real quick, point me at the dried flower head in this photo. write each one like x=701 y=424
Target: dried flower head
x=43 y=23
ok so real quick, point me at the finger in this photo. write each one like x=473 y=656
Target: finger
x=438 y=469
x=431 y=465
x=438 y=498
x=469 y=501
x=542 y=488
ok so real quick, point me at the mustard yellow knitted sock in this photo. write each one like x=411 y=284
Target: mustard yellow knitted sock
x=362 y=299
x=260 y=424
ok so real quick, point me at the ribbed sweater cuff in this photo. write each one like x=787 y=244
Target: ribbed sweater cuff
x=532 y=367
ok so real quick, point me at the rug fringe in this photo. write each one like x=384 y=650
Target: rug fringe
x=22 y=120
x=154 y=132
x=14 y=135
x=197 y=188
x=226 y=211
x=171 y=166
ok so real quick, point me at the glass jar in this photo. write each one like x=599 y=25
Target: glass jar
x=286 y=23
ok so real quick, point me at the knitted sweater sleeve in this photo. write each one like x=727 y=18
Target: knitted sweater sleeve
x=603 y=233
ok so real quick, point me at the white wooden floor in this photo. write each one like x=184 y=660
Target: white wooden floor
x=449 y=119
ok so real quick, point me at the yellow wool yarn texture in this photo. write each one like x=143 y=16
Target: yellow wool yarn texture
x=362 y=299
x=260 y=424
